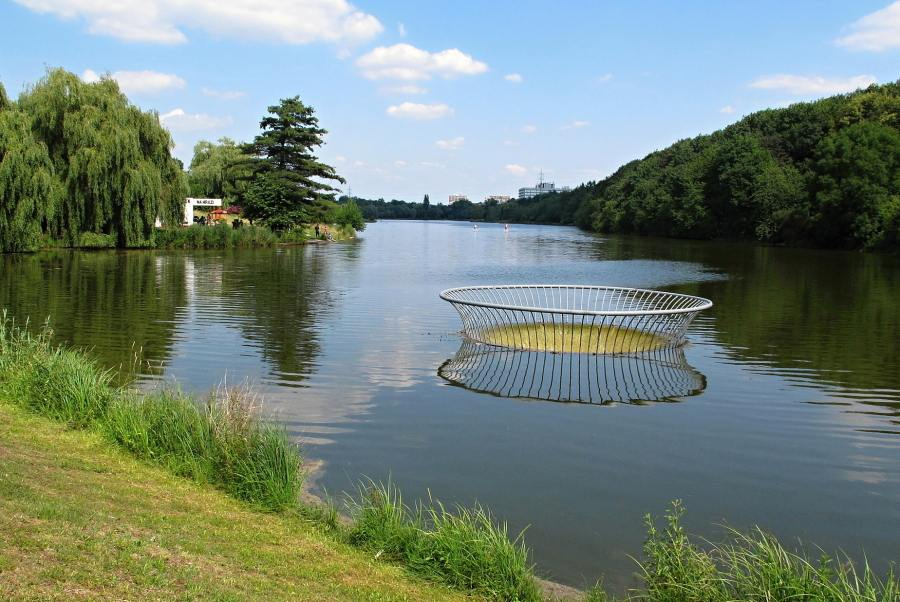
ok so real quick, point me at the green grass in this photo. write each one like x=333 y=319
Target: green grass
x=213 y=237
x=80 y=519
x=465 y=548
x=751 y=567
x=223 y=441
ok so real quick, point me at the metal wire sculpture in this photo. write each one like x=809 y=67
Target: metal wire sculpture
x=574 y=319
x=662 y=375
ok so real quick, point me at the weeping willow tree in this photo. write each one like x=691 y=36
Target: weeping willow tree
x=106 y=165
x=29 y=186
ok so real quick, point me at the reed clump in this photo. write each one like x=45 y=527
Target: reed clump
x=220 y=236
x=751 y=567
x=464 y=547
x=223 y=441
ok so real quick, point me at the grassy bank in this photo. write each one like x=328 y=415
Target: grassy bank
x=222 y=441
x=82 y=520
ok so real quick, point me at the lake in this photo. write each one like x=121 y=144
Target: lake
x=783 y=409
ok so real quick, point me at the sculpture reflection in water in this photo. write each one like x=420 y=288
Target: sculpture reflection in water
x=662 y=375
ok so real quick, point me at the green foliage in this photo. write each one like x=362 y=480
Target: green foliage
x=287 y=187
x=219 y=170
x=823 y=173
x=30 y=191
x=78 y=157
x=220 y=236
x=465 y=548
x=348 y=214
x=752 y=567
x=223 y=442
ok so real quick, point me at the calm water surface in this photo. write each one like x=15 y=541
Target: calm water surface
x=795 y=422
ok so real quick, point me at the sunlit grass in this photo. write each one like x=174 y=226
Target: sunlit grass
x=572 y=338
x=464 y=547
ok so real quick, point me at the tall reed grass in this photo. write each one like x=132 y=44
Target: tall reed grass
x=214 y=237
x=222 y=441
x=751 y=567
x=465 y=548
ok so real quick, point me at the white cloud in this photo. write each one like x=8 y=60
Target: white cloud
x=224 y=94
x=412 y=110
x=400 y=163
x=605 y=78
x=162 y=21
x=727 y=110
x=340 y=159
x=577 y=124
x=408 y=63
x=514 y=78
x=404 y=89
x=529 y=129
x=451 y=144
x=139 y=82
x=809 y=84
x=876 y=32
x=510 y=143
x=177 y=120
x=401 y=29
x=516 y=169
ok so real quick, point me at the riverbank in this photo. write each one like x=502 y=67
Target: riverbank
x=95 y=477
x=81 y=519
x=221 y=236
x=224 y=442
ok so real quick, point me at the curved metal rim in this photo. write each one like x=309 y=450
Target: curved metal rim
x=705 y=303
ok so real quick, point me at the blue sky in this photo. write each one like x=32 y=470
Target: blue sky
x=444 y=97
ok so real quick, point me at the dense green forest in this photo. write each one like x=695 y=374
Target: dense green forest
x=824 y=173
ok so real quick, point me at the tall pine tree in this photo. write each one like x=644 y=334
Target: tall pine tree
x=288 y=187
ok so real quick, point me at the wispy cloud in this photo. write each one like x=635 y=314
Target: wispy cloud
x=513 y=78
x=164 y=21
x=412 y=110
x=875 y=32
x=804 y=85
x=139 y=82
x=401 y=29
x=177 y=120
x=404 y=89
x=224 y=94
x=515 y=169
x=577 y=124
x=727 y=110
x=529 y=129
x=451 y=144
x=605 y=78
x=407 y=63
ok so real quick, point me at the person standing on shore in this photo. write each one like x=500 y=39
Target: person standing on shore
x=317 y=230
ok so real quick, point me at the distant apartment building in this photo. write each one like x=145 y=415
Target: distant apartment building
x=541 y=188
x=458 y=197
x=500 y=198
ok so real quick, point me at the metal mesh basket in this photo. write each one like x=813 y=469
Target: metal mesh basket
x=573 y=318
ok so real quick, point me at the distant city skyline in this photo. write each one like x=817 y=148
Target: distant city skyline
x=445 y=97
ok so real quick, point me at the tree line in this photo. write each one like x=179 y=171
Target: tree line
x=82 y=166
x=823 y=173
